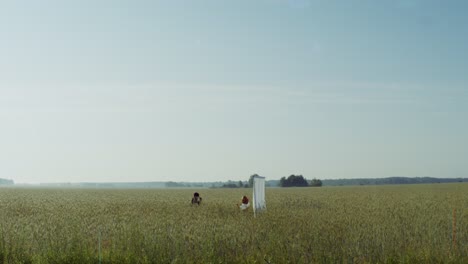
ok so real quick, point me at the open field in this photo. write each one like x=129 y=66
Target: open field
x=362 y=224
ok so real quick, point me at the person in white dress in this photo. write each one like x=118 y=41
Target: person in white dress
x=244 y=203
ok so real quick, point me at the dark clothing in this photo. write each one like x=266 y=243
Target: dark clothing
x=245 y=200
x=196 y=198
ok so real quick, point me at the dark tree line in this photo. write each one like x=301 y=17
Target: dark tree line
x=391 y=180
x=232 y=184
x=316 y=183
x=298 y=181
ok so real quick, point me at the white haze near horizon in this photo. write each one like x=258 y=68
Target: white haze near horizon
x=124 y=91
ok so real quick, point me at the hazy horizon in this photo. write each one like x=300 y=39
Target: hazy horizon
x=236 y=181
x=201 y=91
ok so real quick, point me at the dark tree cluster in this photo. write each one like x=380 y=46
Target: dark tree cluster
x=315 y=183
x=294 y=181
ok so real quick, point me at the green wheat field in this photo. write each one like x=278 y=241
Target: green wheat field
x=360 y=224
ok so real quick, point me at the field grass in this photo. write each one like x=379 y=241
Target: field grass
x=362 y=224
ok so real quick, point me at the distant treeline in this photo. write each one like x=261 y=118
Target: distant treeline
x=391 y=180
x=6 y=182
x=299 y=180
x=375 y=181
x=293 y=180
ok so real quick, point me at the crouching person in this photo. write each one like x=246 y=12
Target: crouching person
x=244 y=203
x=196 y=199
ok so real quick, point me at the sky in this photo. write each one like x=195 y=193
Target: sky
x=116 y=90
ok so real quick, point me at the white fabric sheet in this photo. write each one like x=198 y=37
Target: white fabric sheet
x=259 y=203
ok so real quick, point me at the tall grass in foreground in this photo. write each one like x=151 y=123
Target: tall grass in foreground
x=365 y=224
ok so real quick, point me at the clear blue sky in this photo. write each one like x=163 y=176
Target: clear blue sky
x=216 y=90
